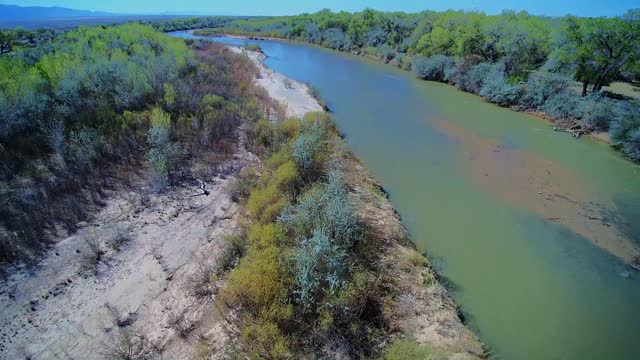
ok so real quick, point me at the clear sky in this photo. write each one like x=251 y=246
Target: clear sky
x=287 y=7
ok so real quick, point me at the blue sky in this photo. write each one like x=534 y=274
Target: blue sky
x=285 y=7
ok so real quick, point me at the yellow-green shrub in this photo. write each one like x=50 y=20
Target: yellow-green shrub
x=287 y=178
x=265 y=204
x=290 y=128
x=278 y=158
x=263 y=340
x=406 y=349
x=263 y=133
x=264 y=235
x=258 y=282
x=321 y=118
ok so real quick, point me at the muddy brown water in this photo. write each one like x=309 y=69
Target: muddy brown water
x=533 y=230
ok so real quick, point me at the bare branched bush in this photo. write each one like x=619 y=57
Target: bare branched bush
x=180 y=324
x=128 y=345
x=121 y=237
x=199 y=283
x=93 y=244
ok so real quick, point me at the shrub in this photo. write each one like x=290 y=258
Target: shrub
x=263 y=340
x=319 y=264
x=433 y=67
x=278 y=158
x=241 y=188
x=266 y=203
x=405 y=349
x=597 y=112
x=455 y=74
x=497 y=89
x=563 y=106
x=265 y=235
x=218 y=116
x=287 y=178
x=82 y=147
x=542 y=86
x=385 y=52
x=263 y=133
x=309 y=150
x=473 y=79
x=258 y=282
x=334 y=38
x=625 y=129
x=324 y=207
x=404 y=61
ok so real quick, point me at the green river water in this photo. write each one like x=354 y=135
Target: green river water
x=531 y=229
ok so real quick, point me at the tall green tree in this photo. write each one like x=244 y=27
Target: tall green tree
x=597 y=49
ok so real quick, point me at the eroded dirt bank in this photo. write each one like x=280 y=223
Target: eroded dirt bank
x=154 y=250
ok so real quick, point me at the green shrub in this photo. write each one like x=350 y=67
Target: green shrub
x=309 y=151
x=287 y=178
x=319 y=268
x=257 y=283
x=625 y=129
x=290 y=128
x=432 y=68
x=282 y=156
x=263 y=133
x=405 y=349
x=326 y=207
x=163 y=153
x=543 y=86
x=265 y=235
x=265 y=204
x=263 y=340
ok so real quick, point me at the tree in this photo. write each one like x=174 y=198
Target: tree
x=6 y=41
x=597 y=49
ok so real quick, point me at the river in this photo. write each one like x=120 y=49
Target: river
x=531 y=229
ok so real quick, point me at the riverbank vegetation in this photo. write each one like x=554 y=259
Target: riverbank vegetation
x=81 y=112
x=556 y=67
x=314 y=282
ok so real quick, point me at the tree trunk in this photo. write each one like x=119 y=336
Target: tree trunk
x=585 y=85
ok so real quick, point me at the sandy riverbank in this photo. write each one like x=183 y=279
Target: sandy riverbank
x=293 y=94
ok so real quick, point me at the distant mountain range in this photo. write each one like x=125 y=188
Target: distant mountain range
x=59 y=17
x=10 y=13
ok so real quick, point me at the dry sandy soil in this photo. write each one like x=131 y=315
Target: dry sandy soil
x=155 y=249
x=291 y=93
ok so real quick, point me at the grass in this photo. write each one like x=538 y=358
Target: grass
x=624 y=88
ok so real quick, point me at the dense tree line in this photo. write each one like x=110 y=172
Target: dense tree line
x=21 y=38
x=513 y=59
x=93 y=97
